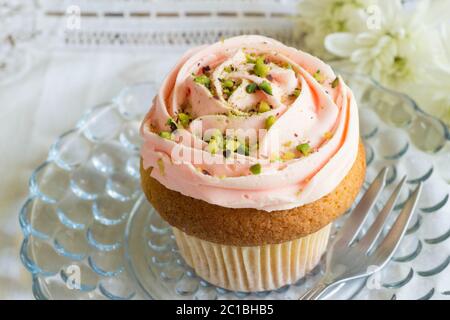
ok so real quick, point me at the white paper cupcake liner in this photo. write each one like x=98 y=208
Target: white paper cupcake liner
x=255 y=268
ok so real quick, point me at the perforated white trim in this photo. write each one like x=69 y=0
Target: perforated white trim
x=156 y=23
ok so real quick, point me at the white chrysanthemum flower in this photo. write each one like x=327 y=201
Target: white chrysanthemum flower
x=399 y=49
x=317 y=19
x=432 y=93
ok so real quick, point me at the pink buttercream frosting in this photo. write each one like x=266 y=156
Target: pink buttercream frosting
x=220 y=87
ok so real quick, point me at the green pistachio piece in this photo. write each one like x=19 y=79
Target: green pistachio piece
x=335 y=83
x=270 y=121
x=228 y=69
x=165 y=135
x=318 y=76
x=213 y=146
x=226 y=91
x=266 y=87
x=172 y=124
x=261 y=69
x=250 y=58
x=204 y=80
x=263 y=107
x=251 y=88
x=304 y=148
x=228 y=84
x=184 y=119
x=287 y=156
x=256 y=168
x=217 y=136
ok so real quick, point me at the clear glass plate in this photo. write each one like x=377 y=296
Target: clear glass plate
x=90 y=234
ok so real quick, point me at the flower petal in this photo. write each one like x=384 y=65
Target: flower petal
x=342 y=44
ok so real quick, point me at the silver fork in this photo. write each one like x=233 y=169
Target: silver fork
x=349 y=258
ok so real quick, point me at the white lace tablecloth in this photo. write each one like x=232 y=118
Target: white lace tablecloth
x=35 y=109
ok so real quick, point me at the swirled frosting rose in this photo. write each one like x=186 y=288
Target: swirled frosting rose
x=199 y=135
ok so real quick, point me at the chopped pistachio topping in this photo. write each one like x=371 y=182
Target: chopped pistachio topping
x=251 y=88
x=213 y=146
x=256 y=168
x=204 y=80
x=287 y=66
x=288 y=156
x=270 y=121
x=216 y=136
x=229 y=68
x=335 y=83
x=296 y=92
x=172 y=124
x=263 y=107
x=184 y=119
x=228 y=84
x=319 y=77
x=165 y=135
x=304 y=148
x=250 y=57
x=266 y=87
x=261 y=69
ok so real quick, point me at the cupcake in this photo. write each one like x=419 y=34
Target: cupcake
x=251 y=150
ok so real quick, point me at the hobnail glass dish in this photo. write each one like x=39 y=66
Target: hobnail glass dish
x=86 y=215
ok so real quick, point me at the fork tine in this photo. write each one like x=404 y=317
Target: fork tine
x=387 y=247
x=368 y=240
x=354 y=223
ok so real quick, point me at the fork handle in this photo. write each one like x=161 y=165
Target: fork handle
x=315 y=292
